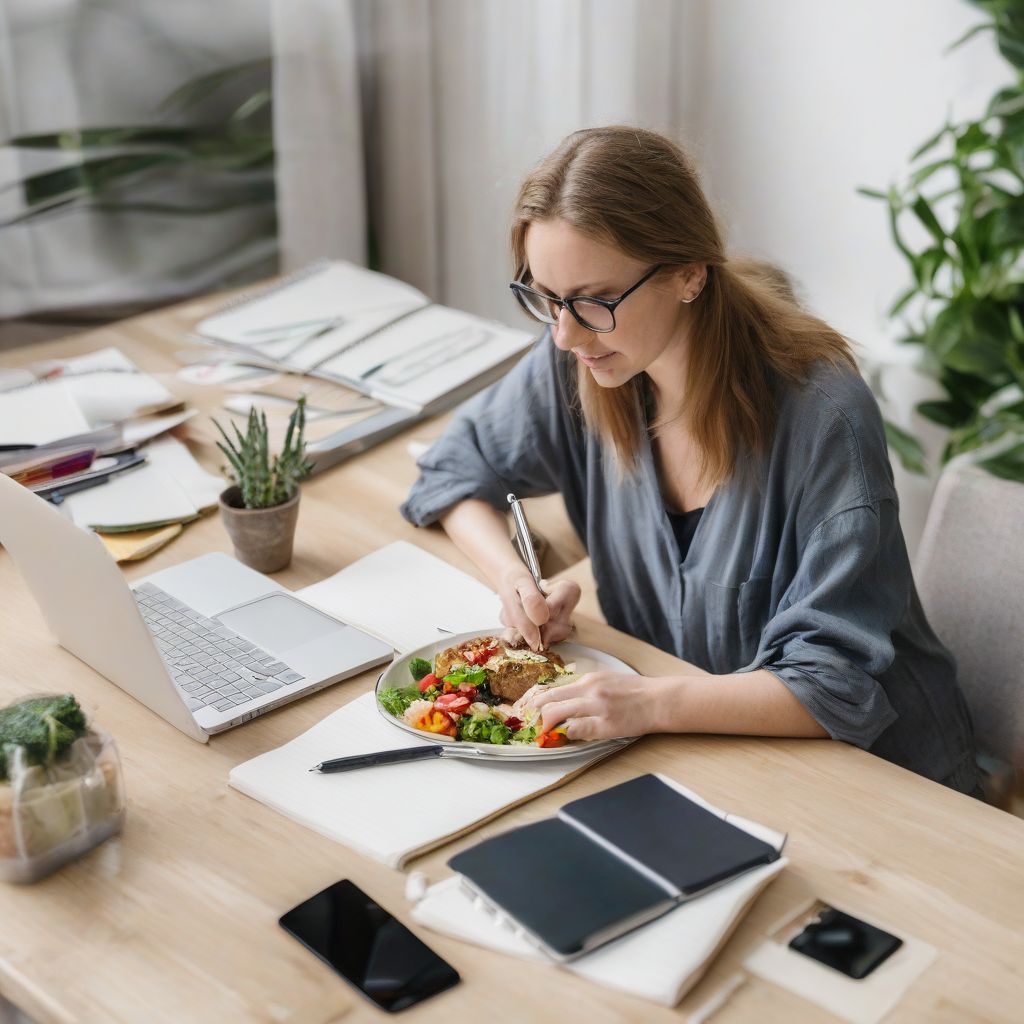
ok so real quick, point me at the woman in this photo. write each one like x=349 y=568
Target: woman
x=723 y=462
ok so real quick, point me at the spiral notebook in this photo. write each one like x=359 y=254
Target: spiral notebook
x=368 y=331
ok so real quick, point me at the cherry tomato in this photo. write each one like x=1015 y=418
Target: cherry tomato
x=553 y=737
x=453 y=703
x=428 y=681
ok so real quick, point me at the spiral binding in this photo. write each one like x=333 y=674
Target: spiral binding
x=255 y=294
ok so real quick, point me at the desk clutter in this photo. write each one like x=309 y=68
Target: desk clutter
x=371 y=353
x=90 y=435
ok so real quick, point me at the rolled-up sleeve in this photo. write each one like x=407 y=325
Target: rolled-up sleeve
x=517 y=435
x=831 y=638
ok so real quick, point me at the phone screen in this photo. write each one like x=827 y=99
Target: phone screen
x=845 y=943
x=368 y=947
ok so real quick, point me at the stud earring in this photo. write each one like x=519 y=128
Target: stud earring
x=697 y=296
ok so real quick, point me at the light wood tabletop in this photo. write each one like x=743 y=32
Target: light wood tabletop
x=176 y=919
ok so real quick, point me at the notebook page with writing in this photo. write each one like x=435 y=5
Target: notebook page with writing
x=426 y=355
x=401 y=594
x=361 y=299
x=378 y=812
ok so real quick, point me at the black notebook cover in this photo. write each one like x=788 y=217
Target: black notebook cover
x=669 y=834
x=563 y=887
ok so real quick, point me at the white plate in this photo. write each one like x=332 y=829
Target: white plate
x=587 y=659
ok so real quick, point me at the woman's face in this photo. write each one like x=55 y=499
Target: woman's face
x=649 y=324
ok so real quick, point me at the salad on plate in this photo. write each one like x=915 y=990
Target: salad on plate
x=476 y=692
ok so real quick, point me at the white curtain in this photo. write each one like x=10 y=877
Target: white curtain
x=71 y=64
x=458 y=99
x=321 y=200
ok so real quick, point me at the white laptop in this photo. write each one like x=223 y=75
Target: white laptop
x=207 y=644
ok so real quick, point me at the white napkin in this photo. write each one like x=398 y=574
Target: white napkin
x=659 y=961
x=392 y=811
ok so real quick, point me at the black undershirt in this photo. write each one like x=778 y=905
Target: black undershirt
x=684 y=526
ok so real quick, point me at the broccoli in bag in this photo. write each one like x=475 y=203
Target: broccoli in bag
x=61 y=791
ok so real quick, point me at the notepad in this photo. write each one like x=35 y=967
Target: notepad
x=379 y=812
x=38 y=415
x=171 y=488
x=608 y=864
x=383 y=595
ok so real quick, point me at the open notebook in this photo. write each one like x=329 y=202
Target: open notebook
x=368 y=331
x=379 y=812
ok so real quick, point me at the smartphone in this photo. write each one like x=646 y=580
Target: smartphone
x=845 y=943
x=369 y=948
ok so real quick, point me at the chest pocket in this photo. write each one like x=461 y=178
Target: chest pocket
x=727 y=629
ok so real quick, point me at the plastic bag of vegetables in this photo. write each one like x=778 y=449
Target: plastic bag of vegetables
x=61 y=791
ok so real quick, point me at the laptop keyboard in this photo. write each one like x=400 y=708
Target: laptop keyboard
x=213 y=665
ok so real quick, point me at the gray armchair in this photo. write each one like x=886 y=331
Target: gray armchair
x=970 y=572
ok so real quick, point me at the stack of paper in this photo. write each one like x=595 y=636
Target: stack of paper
x=171 y=488
x=380 y=812
x=659 y=961
x=79 y=400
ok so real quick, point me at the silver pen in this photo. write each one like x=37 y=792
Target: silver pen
x=526 y=549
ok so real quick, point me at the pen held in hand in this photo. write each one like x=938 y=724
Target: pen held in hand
x=525 y=542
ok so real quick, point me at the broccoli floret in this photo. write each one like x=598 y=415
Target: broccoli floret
x=45 y=726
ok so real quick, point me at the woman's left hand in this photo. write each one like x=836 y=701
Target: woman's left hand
x=607 y=705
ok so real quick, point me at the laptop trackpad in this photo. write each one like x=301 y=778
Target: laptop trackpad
x=278 y=623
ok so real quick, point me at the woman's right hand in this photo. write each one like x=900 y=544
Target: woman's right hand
x=541 y=620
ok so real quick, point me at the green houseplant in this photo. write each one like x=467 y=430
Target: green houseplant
x=261 y=507
x=965 y=307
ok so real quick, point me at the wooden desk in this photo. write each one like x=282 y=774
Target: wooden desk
x=175 y=920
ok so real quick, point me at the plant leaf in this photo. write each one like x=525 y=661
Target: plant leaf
x=907 y=447
x=1008 y=465
x=927 y=217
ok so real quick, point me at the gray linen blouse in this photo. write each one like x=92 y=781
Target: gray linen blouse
x=799 y=568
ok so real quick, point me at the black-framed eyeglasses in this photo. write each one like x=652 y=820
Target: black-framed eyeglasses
x=596 y=315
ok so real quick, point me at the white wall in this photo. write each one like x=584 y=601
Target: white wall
x=805 y=100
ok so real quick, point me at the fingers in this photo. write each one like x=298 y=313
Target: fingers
x=533 y=602
x=562 y=601
x=589 y=728
x=557 y=693
x=524 y=608
x=557 y=711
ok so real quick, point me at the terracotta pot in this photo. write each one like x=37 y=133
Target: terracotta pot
x=262 y=536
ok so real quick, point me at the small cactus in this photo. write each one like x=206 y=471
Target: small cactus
x=265 y=481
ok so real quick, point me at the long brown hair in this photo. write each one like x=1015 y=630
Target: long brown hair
x=637 y=190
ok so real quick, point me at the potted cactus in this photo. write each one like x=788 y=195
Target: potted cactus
x=261 y=507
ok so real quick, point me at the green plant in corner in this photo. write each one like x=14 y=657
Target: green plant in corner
x=966 y=304
x=265 y=480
